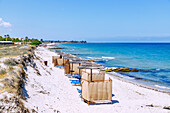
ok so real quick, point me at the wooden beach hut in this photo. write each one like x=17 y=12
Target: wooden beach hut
x=94 y=87
x=74 y=64
x=60 y=60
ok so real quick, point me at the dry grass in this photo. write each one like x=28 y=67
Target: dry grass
x=2 y=71
x=12 y=50
x=10 y=68
x=2 y=76
x=5 y=46
x=10 y=62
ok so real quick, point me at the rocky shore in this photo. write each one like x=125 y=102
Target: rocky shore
x=121 y=70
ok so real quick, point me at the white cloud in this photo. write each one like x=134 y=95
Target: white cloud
x=4 y=24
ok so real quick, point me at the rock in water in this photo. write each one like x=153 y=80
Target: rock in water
x=122 y=70
x=134 y=70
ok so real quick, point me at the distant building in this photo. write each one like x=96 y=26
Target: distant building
x=21 y=39
x=6 y=42
x=17 y=43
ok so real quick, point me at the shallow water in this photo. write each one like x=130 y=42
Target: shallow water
x=154 y=58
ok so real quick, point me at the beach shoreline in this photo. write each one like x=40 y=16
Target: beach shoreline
x=141 y=83
x=136 y=87
x=50 y=91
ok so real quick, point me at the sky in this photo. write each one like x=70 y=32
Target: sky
x=91 y=20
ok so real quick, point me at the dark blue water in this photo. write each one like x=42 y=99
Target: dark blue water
x=153 y=58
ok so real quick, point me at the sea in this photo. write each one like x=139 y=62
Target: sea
x=151 y=59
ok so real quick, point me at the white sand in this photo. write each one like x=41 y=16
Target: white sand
x=52 y=91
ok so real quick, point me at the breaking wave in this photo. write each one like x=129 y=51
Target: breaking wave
x=101 y=58
x=162 y=87
x=108 y=57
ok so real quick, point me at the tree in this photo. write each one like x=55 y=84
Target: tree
x=7 y=36
x=8 y=39
x=16 y=40
x=26 y=38
x=41 y=40
x=35 y=42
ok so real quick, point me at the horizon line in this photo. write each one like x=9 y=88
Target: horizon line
x=128 y=41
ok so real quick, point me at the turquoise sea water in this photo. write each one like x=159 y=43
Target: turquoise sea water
x=152 y=59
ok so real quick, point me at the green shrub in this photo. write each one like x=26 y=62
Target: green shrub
x=16 y=40
x=35 y=42
x=10 y=62
x=2 y=39
x=2 y=71
x=24 y=52
x=10 y=68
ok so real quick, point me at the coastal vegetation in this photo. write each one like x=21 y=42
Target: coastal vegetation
x=35 y=42
x=12 y=77
x=13 y=50
x=23 y=40
x=10 y=62
x=2 y=71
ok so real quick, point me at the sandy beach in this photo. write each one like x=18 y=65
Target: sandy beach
x=49 y=91
x=85 y=56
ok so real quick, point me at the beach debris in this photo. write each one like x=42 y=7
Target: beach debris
x=38 y=72
x=45 y=63
x=166 y=107
x=121 y=70
x=139 y=93
x=44 y=92
x=151 y=105
x=58 y=111
x=12 y=105
x=34 y=111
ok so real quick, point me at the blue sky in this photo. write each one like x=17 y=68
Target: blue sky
x=91 y=20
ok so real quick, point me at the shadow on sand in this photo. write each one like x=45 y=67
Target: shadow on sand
x=105 y=103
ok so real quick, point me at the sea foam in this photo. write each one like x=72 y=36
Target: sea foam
x=163 y=87
x=108 y=57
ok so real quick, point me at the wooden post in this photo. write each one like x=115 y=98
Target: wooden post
x=72 y=69
x=63 y=61
x=81 y=89
x=55 y=60
x=91 y=73
x=111 y=88
x=45 y=62
x=79 y=70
